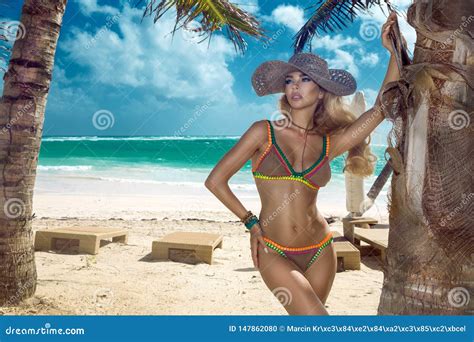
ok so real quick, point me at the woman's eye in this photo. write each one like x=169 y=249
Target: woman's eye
x=303 y=78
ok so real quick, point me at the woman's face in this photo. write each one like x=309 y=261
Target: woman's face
x=298 y=83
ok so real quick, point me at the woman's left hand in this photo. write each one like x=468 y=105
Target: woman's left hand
x=386 y=41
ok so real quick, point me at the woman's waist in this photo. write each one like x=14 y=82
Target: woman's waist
x=284 y=240
x=294 y=232
x=292 y=217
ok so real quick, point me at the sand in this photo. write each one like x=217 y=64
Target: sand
x=122 y=280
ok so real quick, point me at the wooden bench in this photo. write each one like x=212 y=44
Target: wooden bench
x=349 y=223
x=348 y=256
x=79 y=239
x=375 y=237
x=188 y=247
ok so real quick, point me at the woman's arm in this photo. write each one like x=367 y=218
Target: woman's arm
x=356 y=132
x=231 y=162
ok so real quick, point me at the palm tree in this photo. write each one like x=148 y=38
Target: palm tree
x=26 y=87
x=22 y=106
x=431 y=238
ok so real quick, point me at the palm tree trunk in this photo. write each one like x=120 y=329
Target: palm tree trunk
x=22 y=107
x=429 y=266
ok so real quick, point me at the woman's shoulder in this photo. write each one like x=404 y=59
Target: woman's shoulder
x=259 y=126
x=258 y=130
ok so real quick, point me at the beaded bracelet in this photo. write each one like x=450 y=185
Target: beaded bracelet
x=251 y=222
x=247 y=216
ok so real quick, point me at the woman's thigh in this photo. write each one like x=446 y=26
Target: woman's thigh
x=288 y=284
x=322 y=272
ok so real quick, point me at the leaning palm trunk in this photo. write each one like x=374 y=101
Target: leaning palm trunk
x=429 y=266
x=22 y=107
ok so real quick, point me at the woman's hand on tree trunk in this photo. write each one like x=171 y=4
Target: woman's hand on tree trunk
x=386 y=41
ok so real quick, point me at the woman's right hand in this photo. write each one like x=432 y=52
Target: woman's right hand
x=256 y=237
x=386 y=42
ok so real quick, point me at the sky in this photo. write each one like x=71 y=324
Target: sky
x=118 y=75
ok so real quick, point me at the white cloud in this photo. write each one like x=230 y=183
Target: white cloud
x=59 y=75
x=343 y=60
x=89 y=7
x=334 y=42
x=370 y=59
x=290 y=16
x=143 y=55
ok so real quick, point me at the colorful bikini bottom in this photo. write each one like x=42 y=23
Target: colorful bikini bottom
x=286 y=251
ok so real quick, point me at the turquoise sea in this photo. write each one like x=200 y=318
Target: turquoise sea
x=153 y=159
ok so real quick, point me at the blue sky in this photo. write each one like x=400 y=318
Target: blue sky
x=115 y=75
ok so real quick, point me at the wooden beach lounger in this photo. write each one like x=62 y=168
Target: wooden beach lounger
x=80 y=239
x=373 y=233
x=188 y=247
x=348 y=256
x=376 y=237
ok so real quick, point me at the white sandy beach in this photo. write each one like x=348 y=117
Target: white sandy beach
x=121 y=280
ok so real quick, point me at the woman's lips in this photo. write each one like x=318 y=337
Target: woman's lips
x=296 y=97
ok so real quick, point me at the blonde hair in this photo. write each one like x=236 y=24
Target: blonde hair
x=330 y=116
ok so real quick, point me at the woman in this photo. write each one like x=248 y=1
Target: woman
x=291 y=242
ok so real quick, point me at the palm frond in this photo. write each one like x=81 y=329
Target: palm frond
x=212 y=15
x=332 y=15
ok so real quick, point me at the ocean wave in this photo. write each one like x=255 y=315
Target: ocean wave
x=65 y=167
x=143 y=138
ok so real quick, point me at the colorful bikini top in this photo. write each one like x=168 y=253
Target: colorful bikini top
x=273 y=164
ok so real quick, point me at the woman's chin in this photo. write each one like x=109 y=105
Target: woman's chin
x=297 y=104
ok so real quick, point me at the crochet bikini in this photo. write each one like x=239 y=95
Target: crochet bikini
x=273 y=164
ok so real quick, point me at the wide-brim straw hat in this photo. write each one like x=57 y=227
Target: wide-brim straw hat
x=269 y=77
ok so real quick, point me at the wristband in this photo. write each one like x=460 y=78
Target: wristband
x=251 y=222
x=247 y=216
